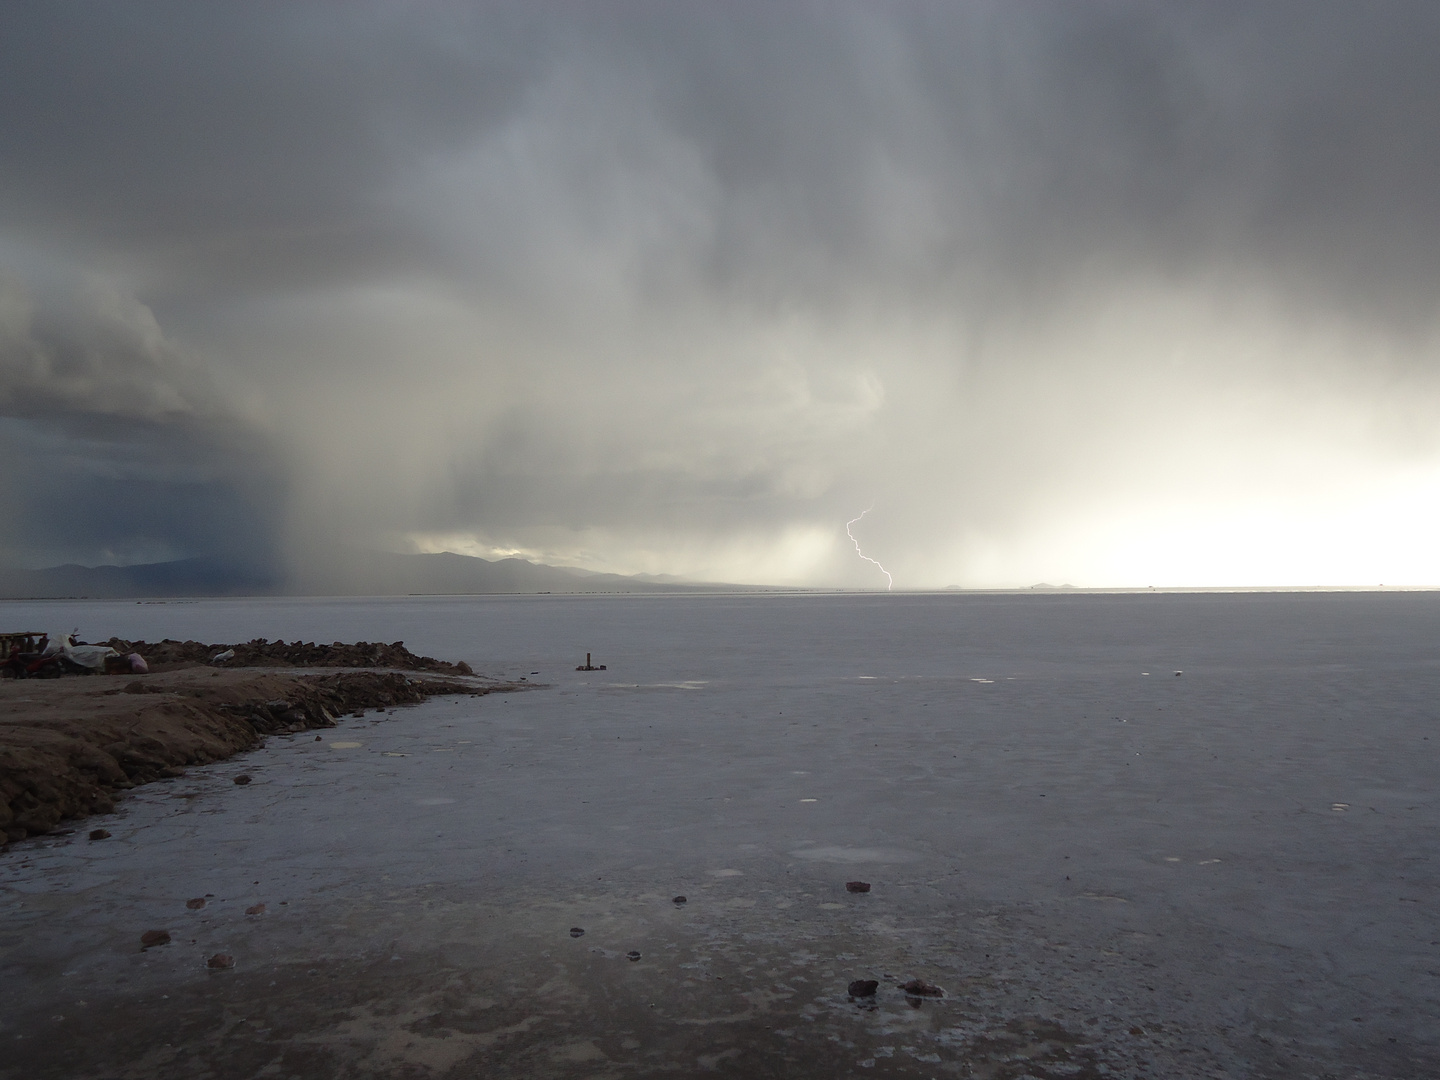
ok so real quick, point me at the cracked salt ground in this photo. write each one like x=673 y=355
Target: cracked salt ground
x=1201 y=910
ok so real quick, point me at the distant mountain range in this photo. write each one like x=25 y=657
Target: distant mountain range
x=349 y=572
x=355 y=572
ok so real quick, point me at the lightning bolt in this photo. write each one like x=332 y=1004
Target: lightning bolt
x=889 y=587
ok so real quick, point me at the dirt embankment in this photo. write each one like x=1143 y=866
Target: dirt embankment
x=69 y=747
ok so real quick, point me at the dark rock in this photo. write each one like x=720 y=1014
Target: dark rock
x=242 y=779
x=679 y=900
x=99 y=834
x=317 y=738
x=632 y=955
x=220 y=962
x=196 y=903
x=920 y=988
x=255 y=909
x=864 y=988
x=34 y=820
x=152 y=938
x=857 y=886
x=575 y=931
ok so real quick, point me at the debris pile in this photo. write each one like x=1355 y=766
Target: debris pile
x=47 y=656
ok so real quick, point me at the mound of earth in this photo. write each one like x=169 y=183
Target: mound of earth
x=69 y=747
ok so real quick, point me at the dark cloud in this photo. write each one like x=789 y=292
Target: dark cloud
x=125 y=501
x=230 y=142
x=284 y=138
x=116 y=447
x=660 y=286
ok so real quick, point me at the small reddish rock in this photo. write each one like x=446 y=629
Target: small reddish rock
x=151 y=938
x=99 y=834
x=864 y=988
x=242 y=779
x=920 y=988
x=220 y=961
x=857 y=886
x=196 y=903
x=255 y=909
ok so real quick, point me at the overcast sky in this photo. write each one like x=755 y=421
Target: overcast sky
x=1100 y=293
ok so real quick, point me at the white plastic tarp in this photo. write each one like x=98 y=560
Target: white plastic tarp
x=89 y=656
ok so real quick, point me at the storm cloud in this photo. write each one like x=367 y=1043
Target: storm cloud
x=1114 y=293
x=116 y=446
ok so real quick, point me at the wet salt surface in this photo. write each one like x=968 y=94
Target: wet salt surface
x=1229 y=872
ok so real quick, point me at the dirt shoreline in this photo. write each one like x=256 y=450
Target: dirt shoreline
x=71 y=747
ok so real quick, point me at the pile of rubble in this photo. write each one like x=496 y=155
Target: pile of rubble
x=262 y=653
